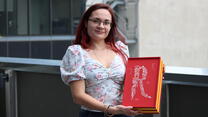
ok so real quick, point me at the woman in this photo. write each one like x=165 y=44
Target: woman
x=94 y=66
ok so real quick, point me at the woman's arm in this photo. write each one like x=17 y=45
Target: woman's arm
x=82 y=98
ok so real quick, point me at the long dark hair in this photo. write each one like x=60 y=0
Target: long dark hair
x=83 y=39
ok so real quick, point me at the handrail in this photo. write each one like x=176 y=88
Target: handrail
x=37 y=38
x=46 y=38
x=186 y=70
x=30 y=61
x=30 y=65
x=56 y=63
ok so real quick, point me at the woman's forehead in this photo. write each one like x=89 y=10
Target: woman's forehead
x=101 y=14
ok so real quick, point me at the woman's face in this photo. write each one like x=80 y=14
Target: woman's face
x=99 y=24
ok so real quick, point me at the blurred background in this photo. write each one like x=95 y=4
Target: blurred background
x=34 y=35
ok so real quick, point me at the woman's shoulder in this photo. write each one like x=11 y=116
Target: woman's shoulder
x=121 y=45
x=76 y=49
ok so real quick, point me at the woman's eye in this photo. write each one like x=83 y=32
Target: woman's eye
x=106 y=23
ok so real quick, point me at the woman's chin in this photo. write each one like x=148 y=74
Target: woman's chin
x=100 y=37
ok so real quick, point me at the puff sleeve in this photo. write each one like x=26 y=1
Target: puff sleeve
x=123 y=47
x=72 y=65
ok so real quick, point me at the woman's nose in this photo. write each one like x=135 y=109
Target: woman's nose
x=101 y=24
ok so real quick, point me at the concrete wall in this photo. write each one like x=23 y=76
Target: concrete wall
x=176 y=30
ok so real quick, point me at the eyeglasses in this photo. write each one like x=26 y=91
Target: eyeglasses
x=98 y=22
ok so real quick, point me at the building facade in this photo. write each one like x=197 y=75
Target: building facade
x=176 y=30
x=44 y=29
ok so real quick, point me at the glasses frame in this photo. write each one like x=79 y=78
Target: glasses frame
x=98 y=22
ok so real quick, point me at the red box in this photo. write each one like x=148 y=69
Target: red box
x=143 y=84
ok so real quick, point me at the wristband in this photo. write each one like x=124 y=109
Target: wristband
x=106 y=113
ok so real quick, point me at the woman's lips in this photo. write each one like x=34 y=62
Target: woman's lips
x=99 y=31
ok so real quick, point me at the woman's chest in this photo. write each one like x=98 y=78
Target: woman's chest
x=96 y=73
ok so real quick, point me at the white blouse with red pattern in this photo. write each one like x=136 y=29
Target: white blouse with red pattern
x=104 y=84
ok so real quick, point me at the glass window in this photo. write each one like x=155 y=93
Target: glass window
x=39 y=17
x=12 y=17
x=22 y=19
x=2 y=18
x=61 y=17
x=78 y=5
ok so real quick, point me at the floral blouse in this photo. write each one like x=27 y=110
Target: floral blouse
x=104 y=84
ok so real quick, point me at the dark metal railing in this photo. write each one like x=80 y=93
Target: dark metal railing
x=35 y=84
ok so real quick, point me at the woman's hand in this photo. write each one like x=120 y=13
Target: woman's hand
x=126 y=110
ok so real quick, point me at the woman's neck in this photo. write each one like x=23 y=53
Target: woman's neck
x=98 y=45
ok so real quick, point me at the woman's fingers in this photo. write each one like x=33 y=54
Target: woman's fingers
x=134 y=112
x=127 y=110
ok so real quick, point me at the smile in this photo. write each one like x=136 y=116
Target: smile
x=99 y=31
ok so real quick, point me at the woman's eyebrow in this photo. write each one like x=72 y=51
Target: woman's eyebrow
x=100 y=19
